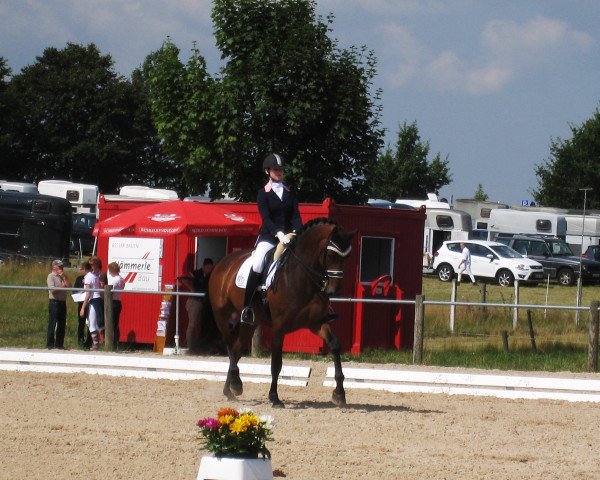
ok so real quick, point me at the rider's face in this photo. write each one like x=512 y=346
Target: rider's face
x=276 y=174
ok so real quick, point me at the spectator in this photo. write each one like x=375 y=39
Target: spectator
x=195 y=306
x=93 y=299
x=57 y=306
x=84 y=267
x=114 y=278
x=465 y=264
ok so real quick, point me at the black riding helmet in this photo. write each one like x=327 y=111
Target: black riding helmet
x=273 y=160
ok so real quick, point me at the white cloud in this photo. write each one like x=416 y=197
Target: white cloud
x=507 y=50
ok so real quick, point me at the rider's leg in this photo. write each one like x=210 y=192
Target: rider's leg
x=253 y=282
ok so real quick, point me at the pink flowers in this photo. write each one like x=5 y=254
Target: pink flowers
x=208 y=423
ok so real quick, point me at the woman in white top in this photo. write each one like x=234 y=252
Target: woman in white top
x=117 y=282
x=95 y=314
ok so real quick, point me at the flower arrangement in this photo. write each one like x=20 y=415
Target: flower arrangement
x=234 y=433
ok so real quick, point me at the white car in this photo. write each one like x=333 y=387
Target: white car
x=489 y=260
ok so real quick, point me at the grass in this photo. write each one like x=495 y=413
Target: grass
x=475 y=343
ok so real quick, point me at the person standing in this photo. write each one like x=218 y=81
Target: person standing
x=57 y=306
x=278 y=208
x=84 y=267
x=197 y=330
x=465 y=264
x=93 y=302
x=114 y=278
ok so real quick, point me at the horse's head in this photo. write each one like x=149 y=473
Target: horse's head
x=325 y=247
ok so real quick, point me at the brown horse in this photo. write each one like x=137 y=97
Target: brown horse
x=310 y=271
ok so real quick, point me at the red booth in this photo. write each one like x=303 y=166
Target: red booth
x=386 y=262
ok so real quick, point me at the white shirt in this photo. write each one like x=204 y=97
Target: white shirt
x=91 y=280
x=117 y=283
x=466 y=255
x=277 y=187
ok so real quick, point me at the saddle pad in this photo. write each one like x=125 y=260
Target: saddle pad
x=242 y=275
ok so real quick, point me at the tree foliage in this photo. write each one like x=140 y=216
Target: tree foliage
x=573 y=164
x=480 y=194
x=406 y=172
x=286 y=87
x=7 y=118
x=79 y=121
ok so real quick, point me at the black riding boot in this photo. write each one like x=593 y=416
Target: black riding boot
x=252 y=284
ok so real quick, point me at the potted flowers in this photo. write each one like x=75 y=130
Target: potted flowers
x=236 y=438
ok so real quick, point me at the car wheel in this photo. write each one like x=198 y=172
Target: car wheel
x=505 y=278
x=445 y=272
x=565 y=277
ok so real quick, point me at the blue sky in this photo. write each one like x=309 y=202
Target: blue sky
x=489 y=82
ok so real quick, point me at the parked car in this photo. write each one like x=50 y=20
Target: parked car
x=556 y=256
x=82 y=240
x=592 y=252
x=489 y=260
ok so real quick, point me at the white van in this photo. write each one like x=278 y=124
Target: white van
x=83 y=197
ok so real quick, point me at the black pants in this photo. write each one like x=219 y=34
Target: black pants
x=57 y=323
x=117 y=307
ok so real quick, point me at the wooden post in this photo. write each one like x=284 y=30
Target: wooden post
x=108 y=318
x=453 y=307
x=531 y=331
x=516 y=310
x=593 y=338
x=483 y=296
x=505 y=340
x=419 y=329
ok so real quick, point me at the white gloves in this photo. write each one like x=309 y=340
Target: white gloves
x=282 y=237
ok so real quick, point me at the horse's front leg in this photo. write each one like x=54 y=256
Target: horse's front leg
x=339 y=395
x=233 y=383
x=276 y=363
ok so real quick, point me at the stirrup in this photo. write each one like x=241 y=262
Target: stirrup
x=247 y=316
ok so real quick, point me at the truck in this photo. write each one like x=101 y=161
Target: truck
x=34 y=227
x=83 y=197
x=18 y=187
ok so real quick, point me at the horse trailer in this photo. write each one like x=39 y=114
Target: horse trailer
x=18 y=187
x=34 y=227
x=140 y=191
x=479 y=210
x=511 y=221
x=83 y=197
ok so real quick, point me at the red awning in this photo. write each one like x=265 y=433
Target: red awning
x=163 y=219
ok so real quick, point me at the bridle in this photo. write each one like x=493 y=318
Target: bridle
x=321 y=278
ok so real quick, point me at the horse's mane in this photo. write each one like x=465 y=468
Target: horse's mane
x=316 y=221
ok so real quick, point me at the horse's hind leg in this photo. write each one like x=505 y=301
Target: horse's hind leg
x=339 y=395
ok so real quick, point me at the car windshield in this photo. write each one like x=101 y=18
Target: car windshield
x=506 y=252
x=559 y=248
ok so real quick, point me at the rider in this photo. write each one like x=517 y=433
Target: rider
x=278 y=208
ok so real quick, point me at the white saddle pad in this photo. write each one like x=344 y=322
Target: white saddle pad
x=242 y=275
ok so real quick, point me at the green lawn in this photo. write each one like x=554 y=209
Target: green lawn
x=476 y=341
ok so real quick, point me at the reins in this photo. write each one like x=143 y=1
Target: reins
x=321 y=279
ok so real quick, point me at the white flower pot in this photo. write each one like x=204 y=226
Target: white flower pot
x=226 y=468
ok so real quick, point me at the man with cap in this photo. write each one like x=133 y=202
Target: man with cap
x=57 y=305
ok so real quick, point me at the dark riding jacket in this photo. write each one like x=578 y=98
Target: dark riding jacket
x=278 y=215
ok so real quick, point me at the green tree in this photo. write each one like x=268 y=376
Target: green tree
x=79 y=121
x=480 y=194
x=573 y=164
x=7 y=116
x=405 y=172
x=286 y=87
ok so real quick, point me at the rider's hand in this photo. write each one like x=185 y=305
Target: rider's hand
x=283 y=238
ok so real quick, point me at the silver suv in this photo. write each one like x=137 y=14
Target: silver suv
x=489 y=260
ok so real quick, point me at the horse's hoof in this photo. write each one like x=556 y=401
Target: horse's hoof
x=339 y=399
x=278 y=404
x=237 y=389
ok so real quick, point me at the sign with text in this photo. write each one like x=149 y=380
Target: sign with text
x=139 y=259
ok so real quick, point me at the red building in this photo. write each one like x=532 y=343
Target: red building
x=388 y=245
